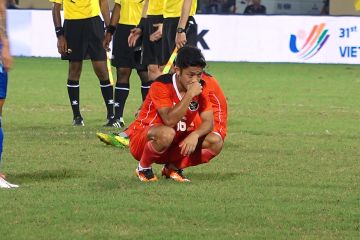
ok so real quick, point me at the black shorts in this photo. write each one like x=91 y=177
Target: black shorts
x=169 y=34
x=123 y=55
x=84 y=39
x=152 y=51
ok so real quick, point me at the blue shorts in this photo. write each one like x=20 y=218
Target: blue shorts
x=3 y=82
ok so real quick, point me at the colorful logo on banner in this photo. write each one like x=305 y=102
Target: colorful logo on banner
x=313 y=42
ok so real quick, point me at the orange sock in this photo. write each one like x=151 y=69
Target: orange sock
x=200 y=156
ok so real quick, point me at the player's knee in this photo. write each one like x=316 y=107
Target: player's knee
x=154 y=71
x=167 y=135
x=213 y=142
x=144 y=77
x=162 y=135
x=100 y=70
x=123 y=75
x=102 y=74
x=75 y=70
x=74 y=74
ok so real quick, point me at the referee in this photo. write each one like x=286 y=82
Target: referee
x=152 y=34
x=81 y=38
x=179 y=26
x=125 y=16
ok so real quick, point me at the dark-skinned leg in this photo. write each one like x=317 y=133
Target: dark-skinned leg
x=73 y=86
x=122 y=89
x=145 y=83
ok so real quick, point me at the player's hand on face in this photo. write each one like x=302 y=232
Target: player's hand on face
x=107 y=40
x=134 y=35
x=158 y=33
x=180 y=40
x=194 y=88
x=62 y=45
x=188 y=145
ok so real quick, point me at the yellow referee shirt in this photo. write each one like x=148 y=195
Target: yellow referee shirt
x=130 y=13
x=155 y=7
x=79 y=9
x=172 y=8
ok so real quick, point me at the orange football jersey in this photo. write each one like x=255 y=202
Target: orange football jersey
x=164 y=93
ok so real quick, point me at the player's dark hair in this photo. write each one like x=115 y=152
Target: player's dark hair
x=189 y=56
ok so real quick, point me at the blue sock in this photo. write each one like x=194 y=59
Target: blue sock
x=1 y=139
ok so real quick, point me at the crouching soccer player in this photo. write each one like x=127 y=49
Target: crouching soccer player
x=164 y=132
x=219 y=106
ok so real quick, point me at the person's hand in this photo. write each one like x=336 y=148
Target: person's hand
x=107 y=40
x=189 y=144
x=62 y=45
x=180 y=40
x=134 y=35
x=158 y=33
x=194 y=88
x=6 y=57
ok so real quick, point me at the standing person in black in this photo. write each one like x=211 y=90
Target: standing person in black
x=125 y=16
x=81 y=38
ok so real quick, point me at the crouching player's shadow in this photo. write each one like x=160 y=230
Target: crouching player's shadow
x=211 y=176
x=47 y=175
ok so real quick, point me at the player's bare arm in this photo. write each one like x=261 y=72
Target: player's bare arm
x=115 y=16
x=145 y=8
x=171 y=116
x=3 y=32
x=180 y=39
x=61 y=43
x=105 y=12
x=207 y=123
x=189 y=144
x=5 y=54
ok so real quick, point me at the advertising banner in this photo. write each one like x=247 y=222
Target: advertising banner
x=301 y=39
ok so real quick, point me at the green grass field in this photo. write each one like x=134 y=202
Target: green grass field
x=289 y=169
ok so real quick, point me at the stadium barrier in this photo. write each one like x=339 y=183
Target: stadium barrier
x=301 y=39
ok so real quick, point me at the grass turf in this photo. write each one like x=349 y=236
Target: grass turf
x=289 y=168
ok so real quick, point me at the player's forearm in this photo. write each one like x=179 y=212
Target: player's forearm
x=207 y=124
x=185 y=12
x=3 y=32
x=175 y=114
x=115 y=15
x=105 y=12
x=56 y=15
x=204 y=129
x=145 y=8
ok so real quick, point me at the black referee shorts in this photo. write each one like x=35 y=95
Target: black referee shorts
x=123 y=55
x=84 y=39
x=169 y=34
x=152 y=51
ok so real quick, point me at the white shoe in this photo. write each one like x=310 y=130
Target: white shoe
x=6 y=184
